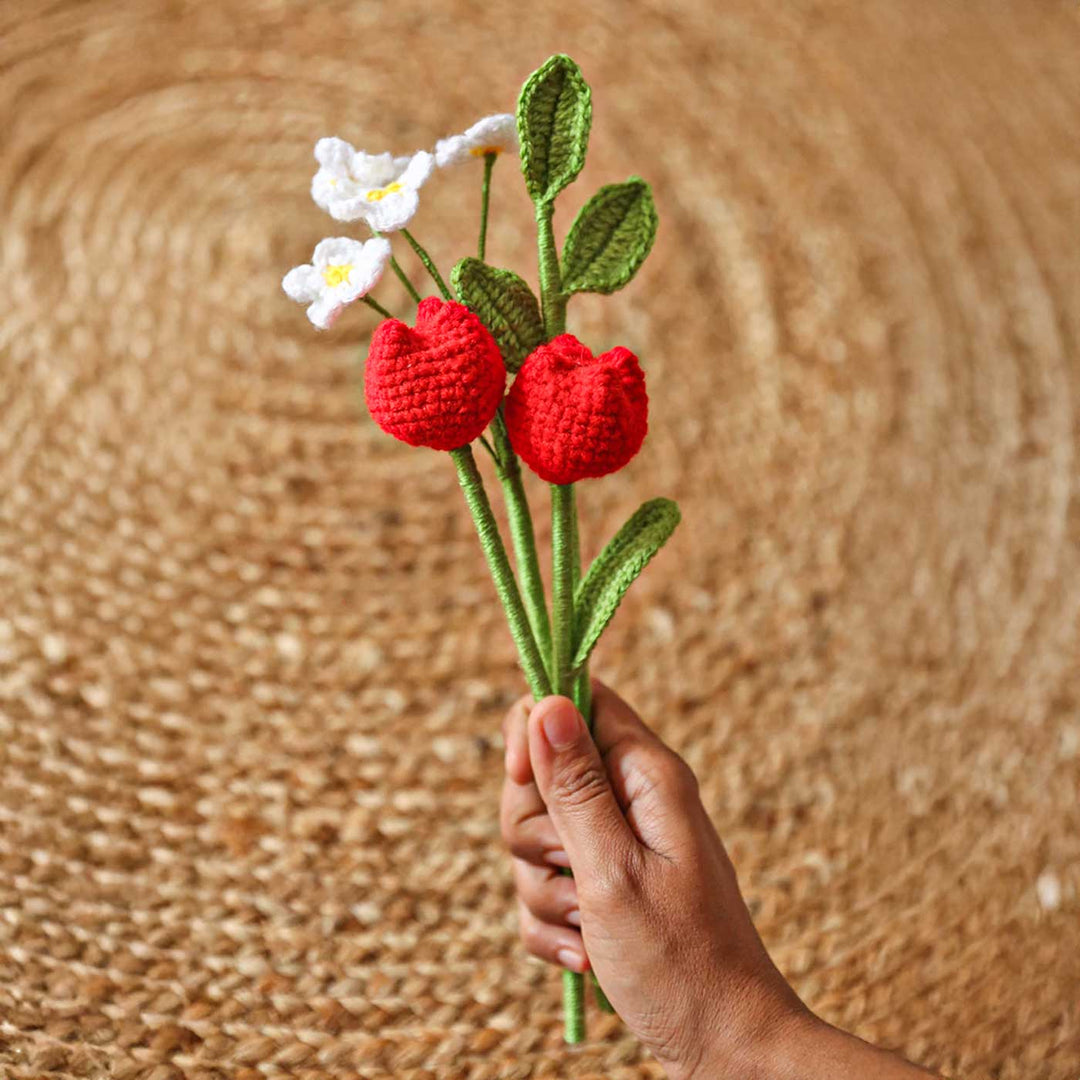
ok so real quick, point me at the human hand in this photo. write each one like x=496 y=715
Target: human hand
x=654 y=906
x=662 y=922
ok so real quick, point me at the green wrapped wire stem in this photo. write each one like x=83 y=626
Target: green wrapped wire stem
x=487 y=529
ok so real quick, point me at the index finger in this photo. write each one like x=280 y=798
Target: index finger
x=516 y=737
x=615 y=722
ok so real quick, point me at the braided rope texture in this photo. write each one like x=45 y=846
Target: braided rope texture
x=574 y=416
x=251 y=662
x=437 y=384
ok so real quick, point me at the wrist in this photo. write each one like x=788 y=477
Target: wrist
x=794 y=1044
x=773 y=1044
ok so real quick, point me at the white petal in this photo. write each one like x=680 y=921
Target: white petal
x=335 y=250
x=325 y=310
x=374 y=170
x=368 y=263
x=451 y=151
x=375 y=256
x=368 y=267
x=498 y=130
x=393 y=212
x=334 y=154
x=418 y=170
x=303 y=283
x=329 y=188
x=353 y=208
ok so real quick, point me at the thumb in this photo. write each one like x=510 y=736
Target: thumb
x=574 y=785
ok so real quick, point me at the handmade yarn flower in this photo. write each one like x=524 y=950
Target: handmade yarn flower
x=440 y=383
x=341 y=271
x=574 y=416
x=376 y=188
x=437 y=384
x=491 y=135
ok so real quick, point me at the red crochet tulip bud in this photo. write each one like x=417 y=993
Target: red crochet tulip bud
x=572 y=415
x=437 y=384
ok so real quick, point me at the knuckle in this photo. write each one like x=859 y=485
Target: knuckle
x=664 y=771
x=605 y=889
x=516 y=838
x=679 y=776
x=615 y=882
x=530 y=893
x=581 y=783
x=532 y=938
x=518 y=847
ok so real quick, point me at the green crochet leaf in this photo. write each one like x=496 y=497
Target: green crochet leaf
x=554 y=113
x=615 y=570
x=505 y=305
x=610 y=238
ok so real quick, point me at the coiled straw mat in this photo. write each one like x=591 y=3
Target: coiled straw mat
x=251 y=666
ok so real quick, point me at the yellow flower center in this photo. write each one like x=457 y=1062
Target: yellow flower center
x=483 y=151
x=337 y=275
x=379 y=193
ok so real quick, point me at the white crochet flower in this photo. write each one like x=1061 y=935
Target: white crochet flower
x=492 y=135
x=377 y=188
x=341 y=270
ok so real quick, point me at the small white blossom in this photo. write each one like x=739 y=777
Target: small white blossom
x=492 y=135
x=341 y=270
x=377 y=188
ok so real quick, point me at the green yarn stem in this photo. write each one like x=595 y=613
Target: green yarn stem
x=562 y=587
x=602 y=1002
x=487 y=530
x=485 y=199
x=410 y=288
x=582 y=696
x=376 y=306
x=523 y=537
x=491 y=450
x=575 y=541
x=429 y=265
x=562 y=639
x=552 y=300
x=582 y=687
x=566 y=564
x=573 y=998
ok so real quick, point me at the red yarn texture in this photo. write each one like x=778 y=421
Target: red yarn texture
x=437 y=384
x=572 y=415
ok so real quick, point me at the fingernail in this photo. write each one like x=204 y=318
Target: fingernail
x=558 y=857
x=570 y=959
x=562 y=725
x=574 y=917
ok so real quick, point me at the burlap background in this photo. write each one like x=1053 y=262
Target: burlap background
x=251 y=666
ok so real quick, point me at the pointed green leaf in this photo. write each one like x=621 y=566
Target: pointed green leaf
x=505 y=304
x=615 y=570
x=554 y=113
x=610 y=238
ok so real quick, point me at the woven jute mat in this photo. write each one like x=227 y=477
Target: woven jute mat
x=251 y=664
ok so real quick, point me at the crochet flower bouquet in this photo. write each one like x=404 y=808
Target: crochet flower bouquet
x=569 y=414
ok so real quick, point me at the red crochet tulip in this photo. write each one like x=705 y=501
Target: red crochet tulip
x=572 y=415
x=439 y=384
